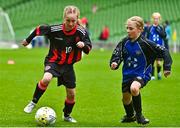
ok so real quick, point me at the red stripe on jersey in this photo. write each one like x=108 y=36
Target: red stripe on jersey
x=38 y=31
x=55 y=56
x=71 y=55
x=78 y=56
x=63 y=57
x=71 y=32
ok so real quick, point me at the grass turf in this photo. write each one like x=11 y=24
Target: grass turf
x=98 y=98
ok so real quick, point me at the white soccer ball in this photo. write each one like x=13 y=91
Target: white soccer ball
x=45 y=116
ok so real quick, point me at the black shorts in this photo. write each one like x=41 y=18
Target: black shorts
x=65 y=74
x=159 y=59
x=126 y=86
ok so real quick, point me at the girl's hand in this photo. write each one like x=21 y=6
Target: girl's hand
x=114 y=65
x=80 y=44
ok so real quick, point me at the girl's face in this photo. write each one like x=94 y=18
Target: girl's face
x=156 y=20
x=70 y=21
x=132 y=30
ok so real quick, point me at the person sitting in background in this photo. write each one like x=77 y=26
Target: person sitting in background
x=105 y=33
x=167 y=28
x=94 y=8
x=85 y=24
x=146 y=27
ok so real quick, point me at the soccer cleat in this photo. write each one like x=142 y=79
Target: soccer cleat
x=152 y=77
x=127 y=119
x=29 y=107
x=142 y=120
x=70 y=119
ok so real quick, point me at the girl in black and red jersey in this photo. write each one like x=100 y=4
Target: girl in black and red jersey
x=67 y=41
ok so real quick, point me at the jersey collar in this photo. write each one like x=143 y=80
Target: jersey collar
x=70 y=32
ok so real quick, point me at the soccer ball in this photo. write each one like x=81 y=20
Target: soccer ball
x=45 y=116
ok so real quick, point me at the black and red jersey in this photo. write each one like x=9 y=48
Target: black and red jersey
x=63 y=49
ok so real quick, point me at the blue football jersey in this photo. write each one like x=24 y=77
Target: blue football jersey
x=135 y=64
x=155 y=36
x=138 y=58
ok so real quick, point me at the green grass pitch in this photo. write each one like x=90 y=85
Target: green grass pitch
x=98 y=99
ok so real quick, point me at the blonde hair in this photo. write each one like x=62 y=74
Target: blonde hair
x=71 y=9
x=156 y=14
x=138 y=20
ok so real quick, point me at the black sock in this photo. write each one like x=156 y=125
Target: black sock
x=153 y=71
x=37 y=94
x=129 y=109
x=137 y=104
x=158 y=69
x=68 y=108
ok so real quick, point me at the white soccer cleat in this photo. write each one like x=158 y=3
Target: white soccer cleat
x=29 y=107
x=70 y=119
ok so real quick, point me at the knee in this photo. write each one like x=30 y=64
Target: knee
x=158 y=63
x=134 y=90
x=46 y=79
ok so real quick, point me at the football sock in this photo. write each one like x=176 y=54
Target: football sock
x=68 y=106
x=129 y=109
x=158 y=69
x=137 y=104
x=153 y=71
x=40 y=89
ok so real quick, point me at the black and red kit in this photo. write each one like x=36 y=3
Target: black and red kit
x=63 y=49
x=63 y=52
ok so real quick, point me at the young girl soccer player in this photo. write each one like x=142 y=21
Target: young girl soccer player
x=67 y=41
x=157 y=34
x=138 y=55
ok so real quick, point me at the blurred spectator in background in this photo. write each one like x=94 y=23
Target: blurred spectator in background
x=167 y=28
x=85 y=24
x=146 y=26
x=94 y=8
x=104 y=33
x=38 y=41
x=174 y=38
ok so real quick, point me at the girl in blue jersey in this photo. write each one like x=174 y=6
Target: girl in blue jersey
x=157 y=34
x=138 y=55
